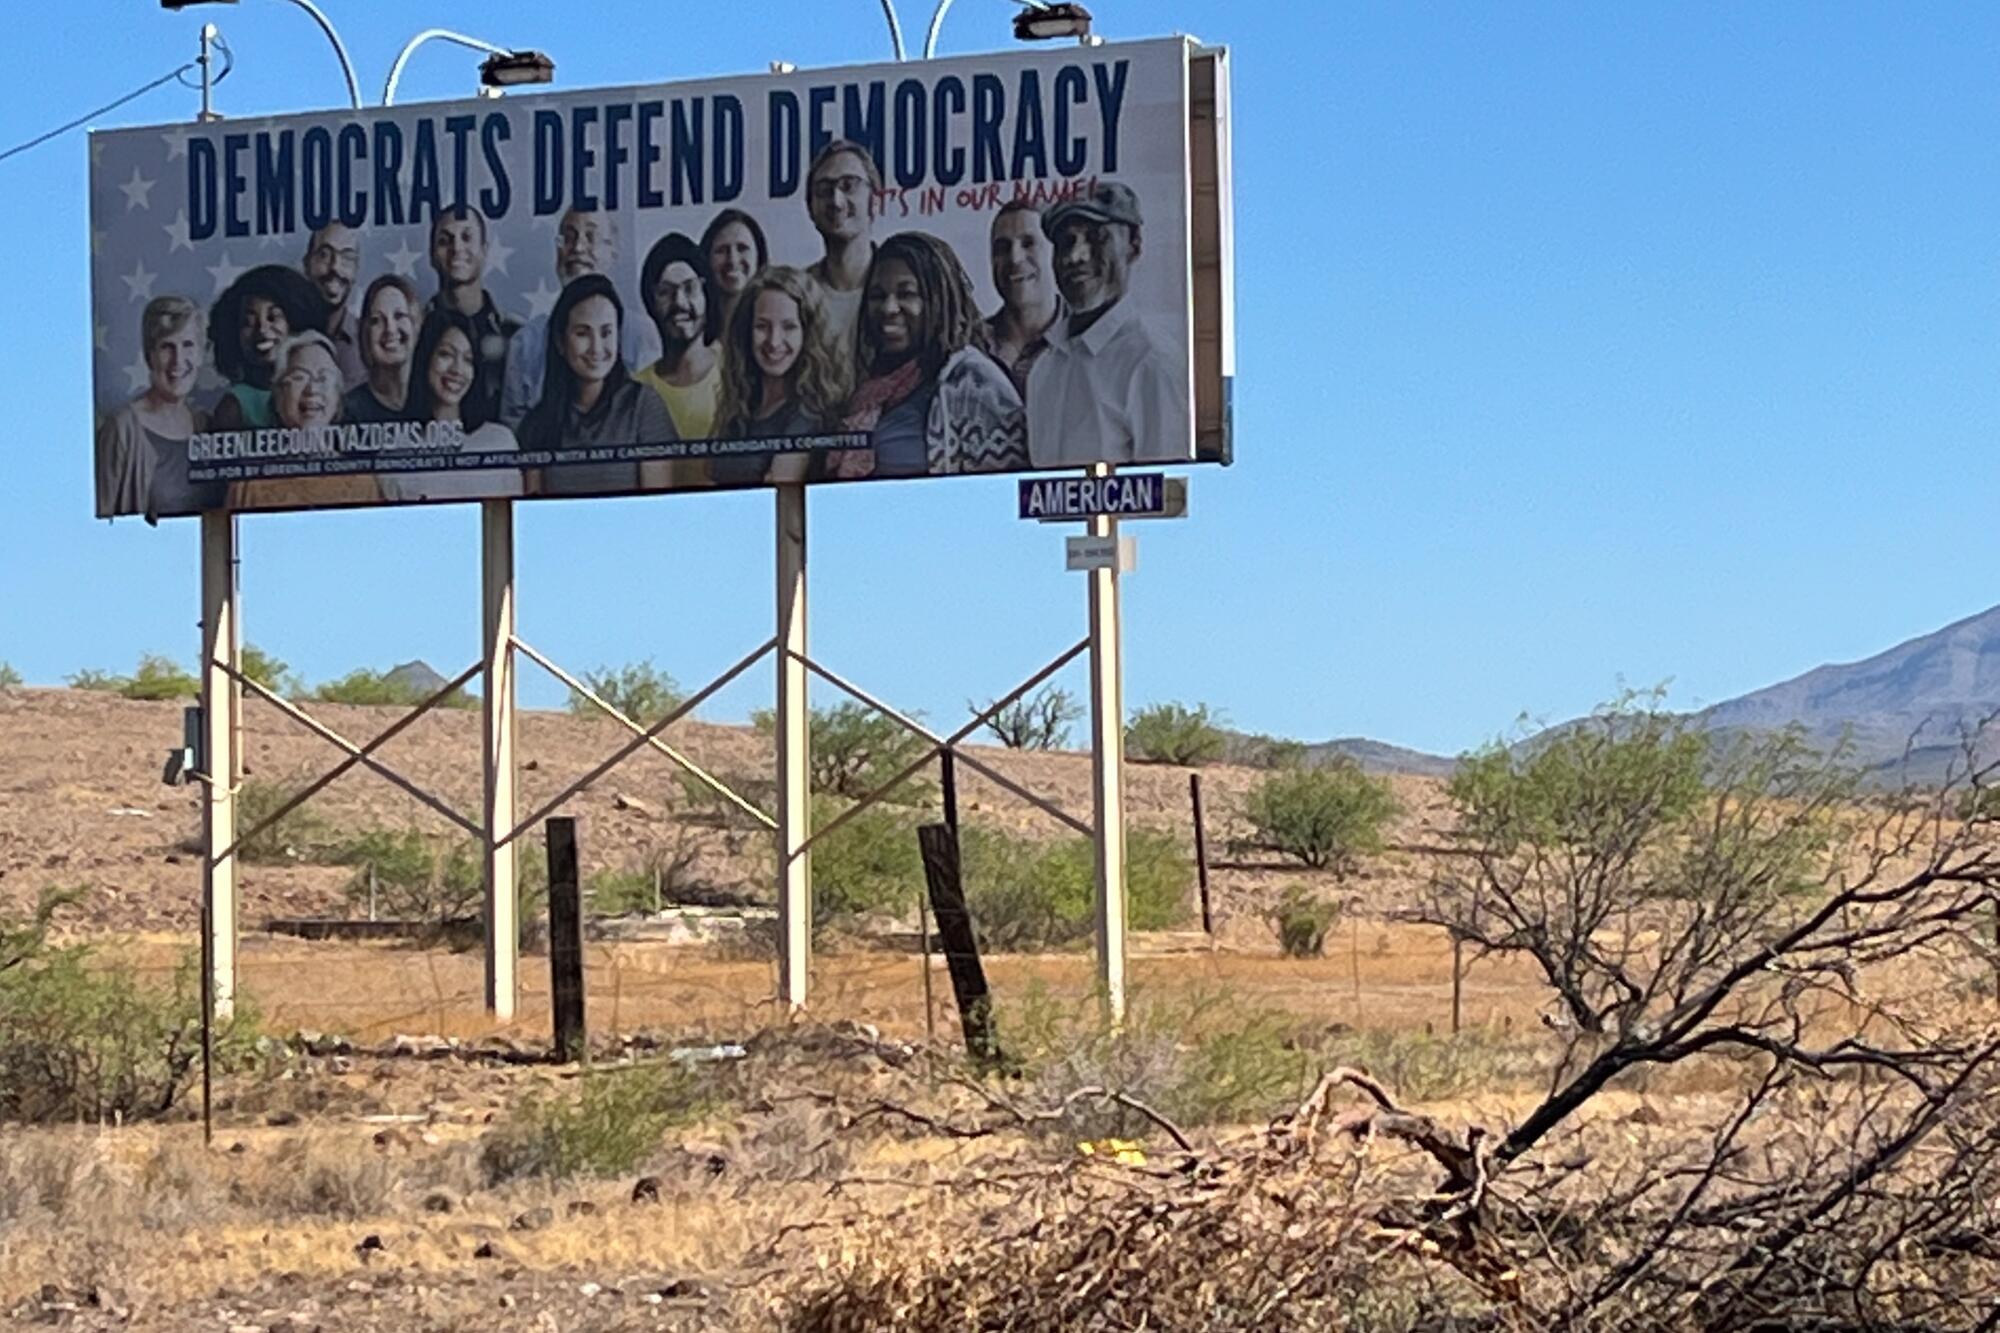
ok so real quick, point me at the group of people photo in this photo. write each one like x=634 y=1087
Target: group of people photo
x=872 y=360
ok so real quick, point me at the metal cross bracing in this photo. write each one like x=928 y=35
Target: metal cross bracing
x=499 y=829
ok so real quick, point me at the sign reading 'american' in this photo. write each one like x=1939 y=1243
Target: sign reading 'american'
x=1131 y=495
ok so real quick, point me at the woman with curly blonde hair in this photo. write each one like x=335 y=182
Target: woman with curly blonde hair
x=782 y=373
x=932 y=398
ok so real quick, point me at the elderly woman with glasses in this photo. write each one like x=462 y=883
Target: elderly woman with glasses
x=306 y=385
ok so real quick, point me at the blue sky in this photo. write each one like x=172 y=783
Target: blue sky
x=1578 y=345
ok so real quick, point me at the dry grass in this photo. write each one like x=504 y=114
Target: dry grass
x=371 y=991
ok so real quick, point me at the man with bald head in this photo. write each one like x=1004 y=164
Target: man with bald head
x=333 y=258
x=586 y=242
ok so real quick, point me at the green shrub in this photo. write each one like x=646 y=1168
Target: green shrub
x=1267 y=752
x=1026 y=895
x=440 y=882
x=1326 y=817
x=1198 y=1059
x=702 y=804
x=10 y=679
x=81 y=1041
x=607 y=1126
x=416 y=877
x=270 y=672
x=101 y=682
x=301 y=836
x=161 y=678
x=639 y=690
x=363 y=686
x=856 y=749
x=1175 y=734
x=620 y=892
x=869 y=864
x=1040 y=721
x=1303 y=922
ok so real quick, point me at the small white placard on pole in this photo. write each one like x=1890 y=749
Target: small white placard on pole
x=1120 y=553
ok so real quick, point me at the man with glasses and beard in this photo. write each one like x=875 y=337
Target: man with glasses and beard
x=673 y=282
x=586 y=242
x=1105 y=391
x=333 y=259
x=841 y=186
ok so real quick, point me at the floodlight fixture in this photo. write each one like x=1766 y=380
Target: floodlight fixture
x=515 y=69
x=1051 y=22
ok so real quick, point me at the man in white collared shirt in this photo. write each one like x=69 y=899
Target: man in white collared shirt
x=1105 y=391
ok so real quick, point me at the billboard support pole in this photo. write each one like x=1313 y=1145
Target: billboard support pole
x=220 y=759
x=794 y=734
x=503 y=906
x=1107 y=771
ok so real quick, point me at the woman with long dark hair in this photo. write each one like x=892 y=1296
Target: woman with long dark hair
x=931 y=397
x=447 y=386
x=257 y=312
x=589 y=398
x=781 y=374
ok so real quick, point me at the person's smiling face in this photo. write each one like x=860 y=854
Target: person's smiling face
x=584 y=244
x=262 y=327
x=174 y=361
x=452 y=368
x=590 y=339
x=776 y=333
x=895 y=307
x=458 y=250
x=1094 y=262
x=1020 y=259
x=389 y=328
x=679 y=302
x=732 y=258
x=838 y=197
x=332 y=261
x=308 y=392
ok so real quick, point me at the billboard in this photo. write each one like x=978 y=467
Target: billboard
x=999 y=263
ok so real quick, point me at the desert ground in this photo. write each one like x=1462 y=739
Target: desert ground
x=385 y=1157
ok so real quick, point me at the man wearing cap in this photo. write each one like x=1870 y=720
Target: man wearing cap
x=1105 y=391
x=586 y=242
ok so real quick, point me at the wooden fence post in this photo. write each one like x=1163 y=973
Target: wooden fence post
x=566 y=942
x=1201 y=856
x=1457 y=981
x=939 y=843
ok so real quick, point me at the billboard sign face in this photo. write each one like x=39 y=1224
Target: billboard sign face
x=976 y=265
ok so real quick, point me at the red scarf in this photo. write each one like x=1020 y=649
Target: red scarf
x=879 y=394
